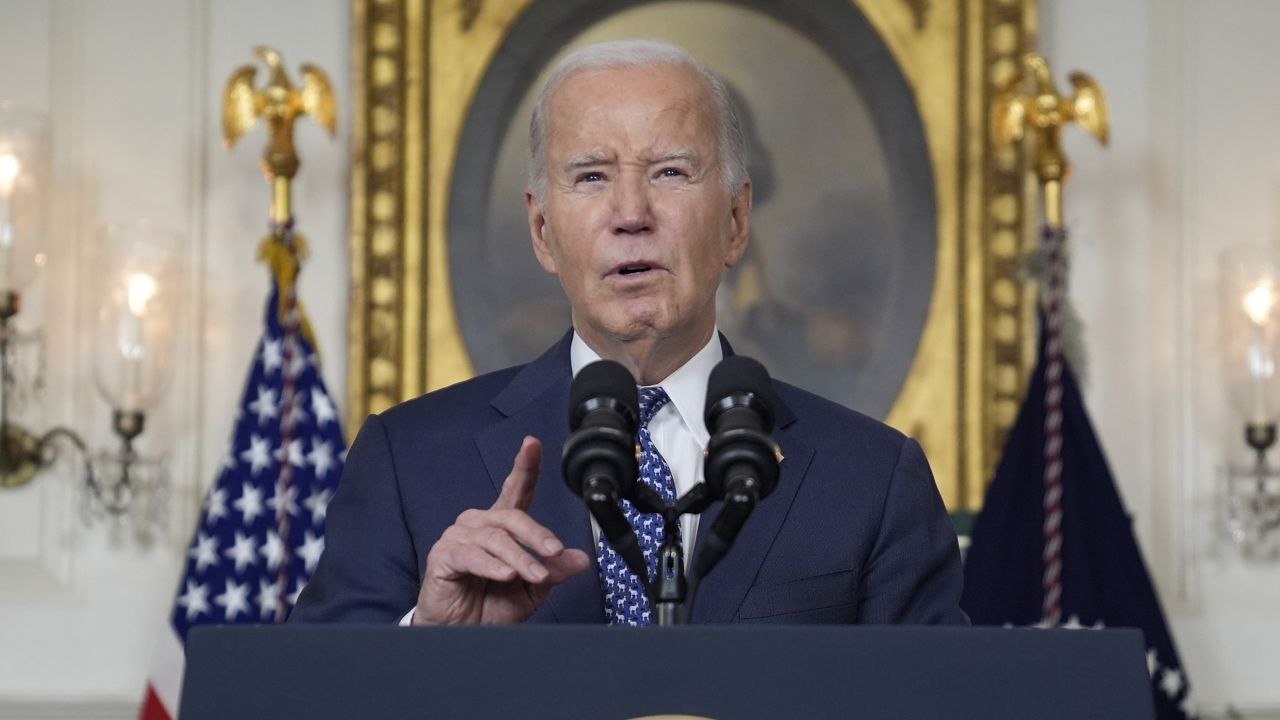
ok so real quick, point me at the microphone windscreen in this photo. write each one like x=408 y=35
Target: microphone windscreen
x=739 y=375
x=604 y=379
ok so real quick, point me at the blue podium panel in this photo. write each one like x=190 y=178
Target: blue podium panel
x=721 y=672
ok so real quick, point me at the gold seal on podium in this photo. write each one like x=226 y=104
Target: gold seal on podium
x=672 y=717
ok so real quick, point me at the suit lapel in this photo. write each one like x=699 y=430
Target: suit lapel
x=721 y=593
x=536 y=402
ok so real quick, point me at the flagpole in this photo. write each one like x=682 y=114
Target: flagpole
x=1052 y=191
x=261 y=531
x=1030 y=104
x=1106 y=582
x=279 y=104
x=281 y=205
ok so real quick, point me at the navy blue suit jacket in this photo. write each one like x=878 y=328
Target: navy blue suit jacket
x=854 y=532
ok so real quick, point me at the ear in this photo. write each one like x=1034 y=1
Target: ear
x=537 y=232
x=739 y=225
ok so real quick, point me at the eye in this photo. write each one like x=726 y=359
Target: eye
x=591 y=177
x=672 y=172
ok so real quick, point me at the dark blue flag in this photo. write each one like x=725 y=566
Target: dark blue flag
x=261 y=532
x=1103 y=579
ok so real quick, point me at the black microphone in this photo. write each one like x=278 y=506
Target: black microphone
x=741 y=466
x=599 y=459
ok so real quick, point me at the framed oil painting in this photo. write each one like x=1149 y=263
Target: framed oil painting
x=885 y=233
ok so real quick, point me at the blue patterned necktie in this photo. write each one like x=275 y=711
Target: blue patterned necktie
x=625 y=602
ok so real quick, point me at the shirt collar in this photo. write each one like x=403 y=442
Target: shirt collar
x=687 y=386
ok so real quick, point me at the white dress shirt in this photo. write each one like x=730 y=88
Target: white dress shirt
x=679 y=433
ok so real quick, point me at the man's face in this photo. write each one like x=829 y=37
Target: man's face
x=636 y=220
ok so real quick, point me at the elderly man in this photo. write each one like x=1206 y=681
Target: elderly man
x=638 y=201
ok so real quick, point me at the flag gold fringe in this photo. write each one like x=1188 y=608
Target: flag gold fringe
x=285 y=260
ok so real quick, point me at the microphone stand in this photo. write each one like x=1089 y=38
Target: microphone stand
x=670 y=588
x=671 y=594
x=667 y=594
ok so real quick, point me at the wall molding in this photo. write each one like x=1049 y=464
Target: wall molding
x=190 y=469
x=97 y=709
x=1173 y=447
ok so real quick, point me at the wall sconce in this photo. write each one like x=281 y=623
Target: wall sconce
x=1250 y=284
x=131 y=280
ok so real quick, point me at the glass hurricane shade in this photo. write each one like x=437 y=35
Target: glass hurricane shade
x=1250 y=315
x=136 y=278
x=24 y=190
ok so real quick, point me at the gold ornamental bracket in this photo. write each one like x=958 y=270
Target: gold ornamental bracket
x=279 y=103
x=1030 y=104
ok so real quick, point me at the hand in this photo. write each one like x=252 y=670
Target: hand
x=497 y=565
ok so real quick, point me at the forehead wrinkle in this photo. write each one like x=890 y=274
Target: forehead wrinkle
x=685 y=109
x=682 y=114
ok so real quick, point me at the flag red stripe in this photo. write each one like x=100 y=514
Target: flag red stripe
x=152 y=708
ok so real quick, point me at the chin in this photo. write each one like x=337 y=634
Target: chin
x=634 y=330
x=637 y=326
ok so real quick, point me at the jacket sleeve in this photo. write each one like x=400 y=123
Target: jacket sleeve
x=368 y=572
x=914 y=573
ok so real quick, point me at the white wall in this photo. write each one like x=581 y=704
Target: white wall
x=133 y=88
x=1193 y=166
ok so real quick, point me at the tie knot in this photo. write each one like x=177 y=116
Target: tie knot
x=651 y=401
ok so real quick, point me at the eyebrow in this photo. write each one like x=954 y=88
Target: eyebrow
x=586 y=160
x=686 y=154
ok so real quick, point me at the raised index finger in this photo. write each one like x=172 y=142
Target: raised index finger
x=517 y=489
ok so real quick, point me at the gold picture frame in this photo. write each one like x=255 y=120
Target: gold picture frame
x=419 y=67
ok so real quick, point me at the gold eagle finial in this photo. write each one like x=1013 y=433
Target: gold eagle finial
x=1030 y=102
x=279 y=103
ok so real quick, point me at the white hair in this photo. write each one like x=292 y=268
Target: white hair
x=617 y=54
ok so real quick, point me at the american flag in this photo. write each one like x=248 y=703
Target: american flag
x=1103 y=579
x=261 y=531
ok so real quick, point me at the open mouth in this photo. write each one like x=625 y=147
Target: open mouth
x=634 y=269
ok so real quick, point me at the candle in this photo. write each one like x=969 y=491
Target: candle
x=9 y=169
x=1258 y=303
x=141 y=288
x=1262 y=368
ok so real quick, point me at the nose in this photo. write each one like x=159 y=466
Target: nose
x=631 y=210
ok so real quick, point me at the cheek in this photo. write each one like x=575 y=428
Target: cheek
x=573 y=269
x=570 y=235
x=710 y=276
x=713 y=245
